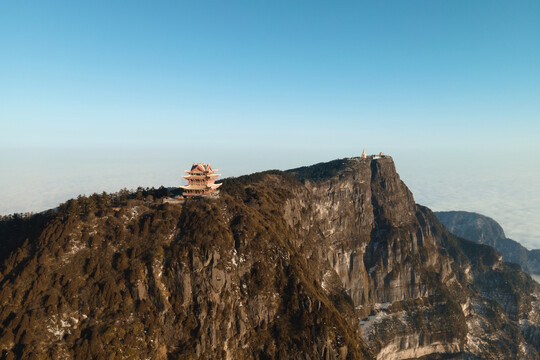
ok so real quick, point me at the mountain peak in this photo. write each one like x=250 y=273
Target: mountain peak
x=333 y=260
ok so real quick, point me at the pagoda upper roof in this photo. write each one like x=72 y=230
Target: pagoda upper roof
x=201 y=167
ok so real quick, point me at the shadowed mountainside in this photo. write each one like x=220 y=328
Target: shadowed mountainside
x=484 y=230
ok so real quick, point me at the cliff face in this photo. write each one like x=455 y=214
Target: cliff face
x=417 y=290
x=484 y=230
x=331 y=261
x=382 y=248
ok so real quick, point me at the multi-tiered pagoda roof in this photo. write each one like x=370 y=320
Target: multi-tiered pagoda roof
x=201 y=179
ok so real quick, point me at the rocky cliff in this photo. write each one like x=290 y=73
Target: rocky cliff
x=484 y=230
x=331 y=261
x=418 y=290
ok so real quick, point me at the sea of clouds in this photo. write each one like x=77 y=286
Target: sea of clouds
x=507 y=191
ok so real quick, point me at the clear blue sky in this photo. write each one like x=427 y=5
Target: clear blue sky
x=140 y=73
x=251 y=85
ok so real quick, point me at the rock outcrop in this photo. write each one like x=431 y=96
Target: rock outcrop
x=331 y=261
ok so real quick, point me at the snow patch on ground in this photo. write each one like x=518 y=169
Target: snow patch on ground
x=235 y=258
x=372 y=320
x=76 y=245
x=408 y=347
x=325 y=279
x=59 y=326
x=382 y=306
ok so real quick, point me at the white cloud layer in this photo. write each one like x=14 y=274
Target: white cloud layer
x=508 y=192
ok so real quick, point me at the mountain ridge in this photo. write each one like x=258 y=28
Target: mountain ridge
x=330 y=261
x=484 y=230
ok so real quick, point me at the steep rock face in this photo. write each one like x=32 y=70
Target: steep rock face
x=331 y=261
x=408 y=278
x=484 y=230
x=385 y=259
x=367 y=219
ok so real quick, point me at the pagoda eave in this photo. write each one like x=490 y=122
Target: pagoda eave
x=208 y=187
x=201 y=176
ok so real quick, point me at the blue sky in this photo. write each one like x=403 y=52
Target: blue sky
x=260 y=84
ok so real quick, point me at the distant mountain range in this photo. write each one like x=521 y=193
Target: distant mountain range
x=484 y=230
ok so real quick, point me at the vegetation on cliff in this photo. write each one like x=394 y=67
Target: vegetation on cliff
x=330 y=261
